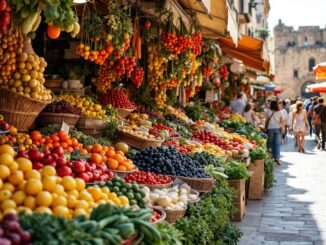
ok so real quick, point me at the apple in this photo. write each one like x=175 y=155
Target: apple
x=64 y=171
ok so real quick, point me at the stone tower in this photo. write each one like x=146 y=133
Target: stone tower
x=295 y=53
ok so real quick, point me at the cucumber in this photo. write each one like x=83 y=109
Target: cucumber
x=88 y=224
x=126 y=230
x=109 y=220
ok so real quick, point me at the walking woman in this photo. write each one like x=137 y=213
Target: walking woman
x=300 y=124
x=275 y=126
x=249 y=114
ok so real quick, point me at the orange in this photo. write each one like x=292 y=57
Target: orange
x=33 y=187
x=24 y=164
x=120 y=153
x=69 y=142
x=111 y=148
x=1 y=184
x=95 y=192
x=83 y=152
x=16 y=177
x=104 y=158
x=80 y=211
x=6 y=204
x=85 y=195
x=59 y=189
x=119 y=158
x=130 y=167
x=13 y=130
x=21 y=185
x=121 y=168
x=44 y=198
x=55 y=137
x=89 y=148
x=36 y=136
x=97 y=148
x=63 y=136
x=73 y=193
x=110 y=153
x=8 y=186
x=24 y=210
x=74 y=142
x=9 y=211
x=53 y=31
x=7 y=149
x=124 y=200
x=71 y=201
x=64 y=145
x=112 y=163
x=81 y=204
x=105 y=148
x=96 y=158
x=70 y=149
x=13 y=167
x=56 y=144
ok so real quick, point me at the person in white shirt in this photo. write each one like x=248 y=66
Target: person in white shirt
x=249 y=114
x=238 y=105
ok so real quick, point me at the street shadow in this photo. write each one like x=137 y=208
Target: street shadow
x=282 y=217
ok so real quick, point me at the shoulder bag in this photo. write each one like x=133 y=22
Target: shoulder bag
x=267 y=121
x=316 y=120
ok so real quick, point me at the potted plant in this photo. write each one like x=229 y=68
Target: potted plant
x=237 y=175
x=256 y=183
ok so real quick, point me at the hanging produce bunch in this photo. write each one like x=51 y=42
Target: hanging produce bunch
x=107 y=38
x=210 y=58
x=5 y=16
x=58 y=15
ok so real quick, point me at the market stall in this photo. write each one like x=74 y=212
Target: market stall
x=128 y=143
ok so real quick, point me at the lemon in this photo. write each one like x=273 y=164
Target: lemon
x=49 y=183
x=48 y=171
x=59 y=201
x=21 y=185
x=25 y=210
x=6 y=159
x=7 y=149
x=30 y=202
x=44 y=198
x=59 y=189
x=95 y=192
x=8 y=186
x=13 y=167
x=61 y=211
x=4 y=172
x=69 y=183
x=43 y=210
x=85 y=195
x=80 y=211
x=6 y=204
x=9 y=211
x=18 y=197
x=33 y=186
x=32 y=174
x=82 y=204
x=24 y=164
x=71 y=201
x=80 y=184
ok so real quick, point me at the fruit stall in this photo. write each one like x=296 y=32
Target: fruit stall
x=113 y=140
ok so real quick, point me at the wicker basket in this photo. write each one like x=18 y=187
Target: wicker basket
x=90 y=126
x=123 y=174
x=157 y=186
x=173 y=215
x=198 y=184
x=18 y=110
x=162 y=213
x=47 y=118
x=138 y=142
x=192 y=191
x=123 y=113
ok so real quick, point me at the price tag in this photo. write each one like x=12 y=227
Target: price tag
x=209 y=96
x=65 y=127
x=144 y=129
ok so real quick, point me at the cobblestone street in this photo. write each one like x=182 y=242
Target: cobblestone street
x=293 y=212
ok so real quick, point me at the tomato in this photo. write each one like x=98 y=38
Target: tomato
x=79 y=167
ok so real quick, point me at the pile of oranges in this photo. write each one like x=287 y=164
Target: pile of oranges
x=56 y=139
x=115 y=160
x=97 y=56
x=23 y=188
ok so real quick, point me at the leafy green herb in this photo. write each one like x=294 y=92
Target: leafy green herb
x=259 y=154
x=236 y=170
x=110 y=130
x=269 y=173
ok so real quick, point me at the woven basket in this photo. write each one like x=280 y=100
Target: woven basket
x=123 y=174
x=138 y=142
x=198 y=184
x=157 y=186
x=192 y=191
x=173 y=215
x=47 y=118
x=18 y=110
x=90 y=123
x=162 y=213
x=123 y=113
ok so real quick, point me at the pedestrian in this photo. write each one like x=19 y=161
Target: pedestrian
x=238 y=105
x=321 y=110
x=285 y=115
x=310 y=113
x=316 y=121
x=300 y=124
x=275 y=126
x=249 y=114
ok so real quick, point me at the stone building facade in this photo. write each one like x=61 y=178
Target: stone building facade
x=295 y=53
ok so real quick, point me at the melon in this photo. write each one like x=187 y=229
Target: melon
x=121 y=146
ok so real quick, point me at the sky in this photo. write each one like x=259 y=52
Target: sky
x=297 y=13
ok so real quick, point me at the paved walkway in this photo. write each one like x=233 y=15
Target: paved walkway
x=293 y=212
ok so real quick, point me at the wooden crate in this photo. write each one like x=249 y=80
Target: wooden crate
x=256 y=182
x=240 y=198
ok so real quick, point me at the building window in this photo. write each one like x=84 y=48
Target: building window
x=305 y=41
x=312 y=64
x=296 y=73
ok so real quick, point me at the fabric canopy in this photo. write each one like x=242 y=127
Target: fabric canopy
x=250 y=51
x=320 y=71
x=317 y=88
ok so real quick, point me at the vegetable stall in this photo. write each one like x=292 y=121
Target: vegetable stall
x=110 y=138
